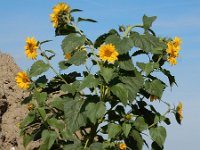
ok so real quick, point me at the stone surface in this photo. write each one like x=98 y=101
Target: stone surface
x=11 y=110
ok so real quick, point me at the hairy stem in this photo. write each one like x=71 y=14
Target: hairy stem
x=91 y=46
x=129 y=28
x=47 y=60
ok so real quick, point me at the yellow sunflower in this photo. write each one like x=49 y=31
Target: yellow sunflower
x=122 y=146
x=68 y=56
x=30 y=106
x=153 y=98
x=177 y=41
x=172 y=50
x=57 y=9
x=172 y=60
x=108 y=53
x=23 y=80
x=31 y=48
x=129 y=116
x=179 y=112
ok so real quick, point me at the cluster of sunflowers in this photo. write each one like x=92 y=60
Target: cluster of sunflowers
x=106 y=52
x=173 y=48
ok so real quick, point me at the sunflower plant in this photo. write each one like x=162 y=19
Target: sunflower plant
x=108 y=102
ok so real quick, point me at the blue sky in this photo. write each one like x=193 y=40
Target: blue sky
x=20 y=19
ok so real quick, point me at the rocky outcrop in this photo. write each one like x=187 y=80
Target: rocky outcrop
x=11 y=110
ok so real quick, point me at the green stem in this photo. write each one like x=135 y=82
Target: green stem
x=86 y=143
x=47 y=60
x=160 y=57
x=91 y=46
x=168 y=111
x=93 y=133
x=129 y=28
x=42 y=118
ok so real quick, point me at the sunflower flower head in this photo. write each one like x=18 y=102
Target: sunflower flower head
x=179 y=112
x=108 y=53
x=68 y=56
x=153 y=98
x=61 y=8
x=172 y=60
x=177 y=41
x=23 y=80
x=122 y=146
x=129 y=116
x=31 y=48
x=30 y=106
x=173 y=48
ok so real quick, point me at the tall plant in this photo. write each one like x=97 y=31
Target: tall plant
x=109 y=103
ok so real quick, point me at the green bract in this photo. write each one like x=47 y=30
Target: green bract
x=103 y=104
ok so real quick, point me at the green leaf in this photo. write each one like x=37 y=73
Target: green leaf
x=86 y=19
x=27 y=139
x=122 y=28
x=108 y=145
x=70 y=88
x=95 y=111
x=50 y=51
x=139 y=52
x=96 y=146
x=126 y=129
x=46 y=41
x=122 y=45
x=27 y=100
x=160 y=118
x=48 y=138
x=59 y=124
x=65 y=30
x=42 y=112
x=147 y=21
x=72 y=42
x=90 y=81
x=64 y=65
x=100 y=40
x=126 y=65
x=29 y=119
x=147 y=67
x=59 y=102
x=132 y=85
x=75 y=10
x=40 y=97
x=76 y=146
x=74 y=118
x=38 y=68
x=107 y=73
x=135 y=140
x=170 y=77
x=155 y=87
x=113 y=130
x=148 y=43
x=140 y=124
x=52 y=54
x=155 y=146
x=121 y=92
x=158 y=134
x=68 y=135
x=78 y=58
x=41 y=81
